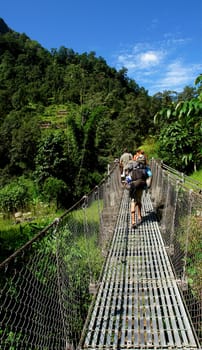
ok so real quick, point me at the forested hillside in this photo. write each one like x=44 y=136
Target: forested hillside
x=64 y=116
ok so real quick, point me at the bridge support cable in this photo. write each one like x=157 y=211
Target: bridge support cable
x=138 y=304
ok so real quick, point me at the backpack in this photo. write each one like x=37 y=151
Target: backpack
x=138 y=178
x=139 y=175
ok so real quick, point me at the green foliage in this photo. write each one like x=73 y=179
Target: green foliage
x=193 y=228
x=197 y=175
x=150 y=148
x=83 y=250
x=64 y=115
x=14 y=196
x=85 y=258
x=102 y=112
x=12 y=339
x=180 y=135
x=51 y=159
x=54 y=190
x=19 y=136
x=198 y=81
x=13 y=236
x=91 y=93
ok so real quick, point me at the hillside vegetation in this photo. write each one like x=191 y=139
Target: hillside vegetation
x=64 y=116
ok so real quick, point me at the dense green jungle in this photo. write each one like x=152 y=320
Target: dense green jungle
x=64 y=117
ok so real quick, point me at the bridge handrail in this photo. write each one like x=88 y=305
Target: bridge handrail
x=185 y=180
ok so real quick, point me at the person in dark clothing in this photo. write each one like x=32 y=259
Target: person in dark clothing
x=137 y=179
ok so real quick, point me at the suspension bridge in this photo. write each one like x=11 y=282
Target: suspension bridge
x=143 y=298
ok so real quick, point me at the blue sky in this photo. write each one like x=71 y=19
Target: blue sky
x=159 y=42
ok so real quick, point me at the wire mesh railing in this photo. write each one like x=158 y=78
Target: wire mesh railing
x=178 y=203
x=47 y=285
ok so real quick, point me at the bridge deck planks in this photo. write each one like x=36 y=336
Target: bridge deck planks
x=138 y=304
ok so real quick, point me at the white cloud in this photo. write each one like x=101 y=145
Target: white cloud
x=150 y=58
x=176 y=76
x=159 y=66
x=140 y=60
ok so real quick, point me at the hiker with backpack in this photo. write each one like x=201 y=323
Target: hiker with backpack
x=139 y=172
x=124 y=159
x=138 y=154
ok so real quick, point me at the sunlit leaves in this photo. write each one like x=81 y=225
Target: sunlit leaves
x=181 y=132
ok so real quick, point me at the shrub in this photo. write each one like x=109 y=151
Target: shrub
x=15 y=196
x=54 y=190
x=193 y=250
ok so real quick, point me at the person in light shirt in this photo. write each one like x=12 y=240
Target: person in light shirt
x=124 y=159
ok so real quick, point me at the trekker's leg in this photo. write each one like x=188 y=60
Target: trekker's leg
x=139 y=204
x=133 y=206
x=139 y=214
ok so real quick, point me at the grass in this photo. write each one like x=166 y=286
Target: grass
x=197 y=175
x=150 y=148
x=192 y=250
x=14 y=234
x=91 y=212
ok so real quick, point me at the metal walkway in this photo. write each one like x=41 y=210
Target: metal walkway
x=138 y=303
